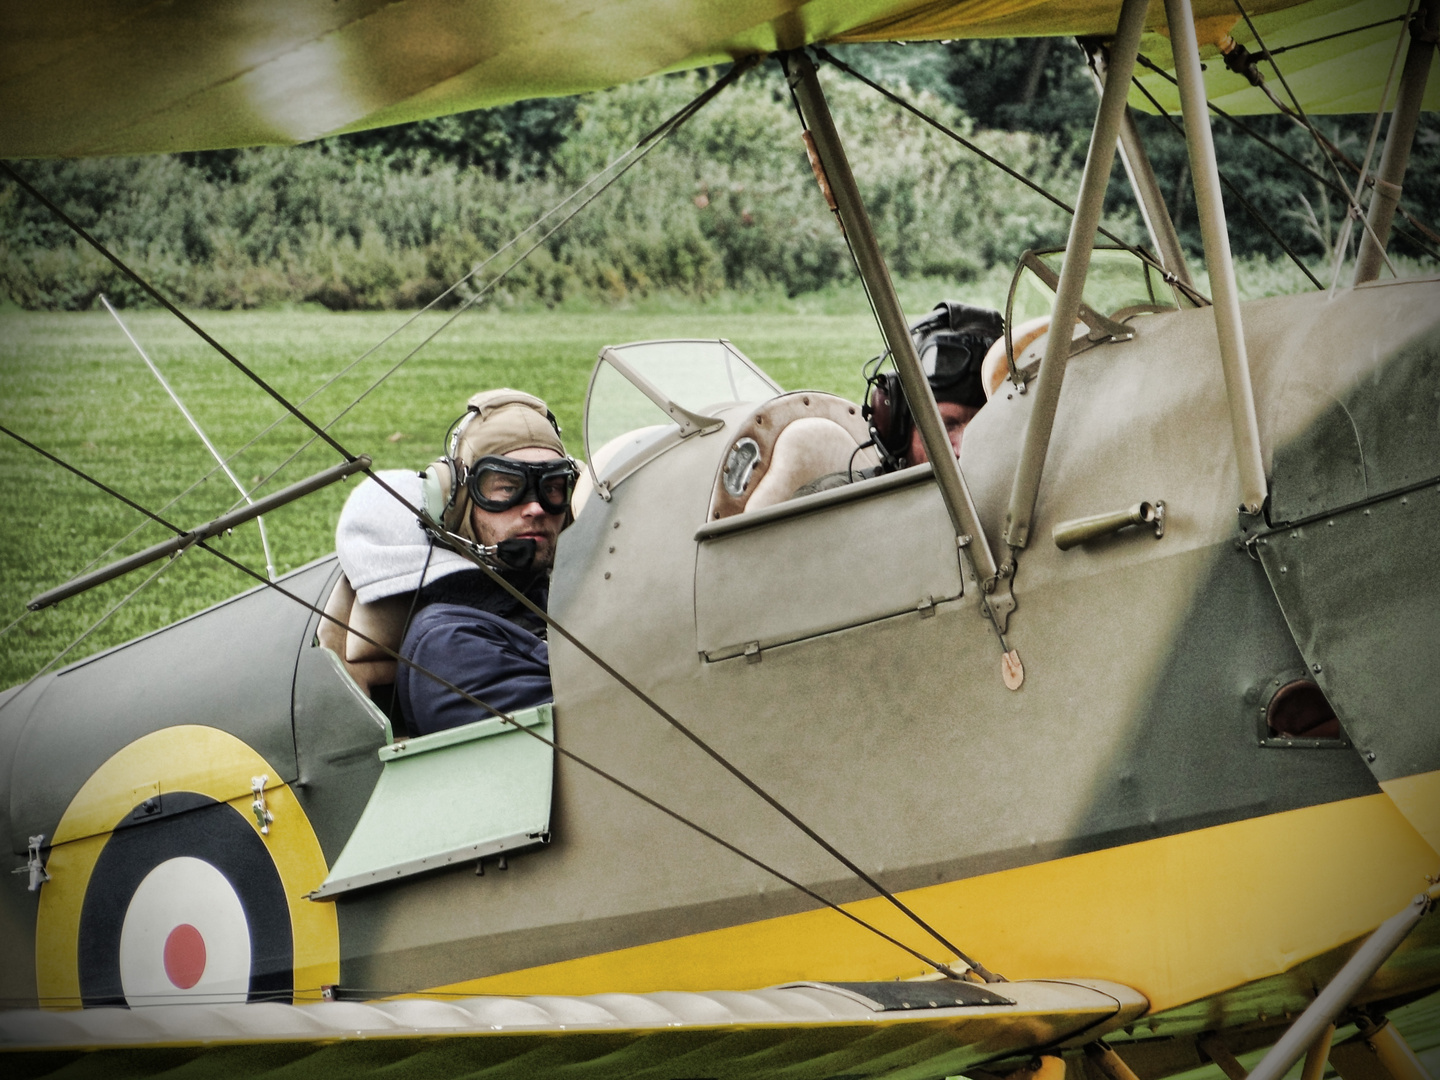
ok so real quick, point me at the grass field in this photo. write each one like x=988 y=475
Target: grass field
x=75 y=386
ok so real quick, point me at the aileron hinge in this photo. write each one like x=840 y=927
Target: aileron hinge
x=263 y=816
x=34 y=864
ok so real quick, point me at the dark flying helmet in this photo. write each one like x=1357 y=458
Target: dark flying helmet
x=952 y=341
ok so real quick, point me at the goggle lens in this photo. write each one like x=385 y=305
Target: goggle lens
x=497 y=483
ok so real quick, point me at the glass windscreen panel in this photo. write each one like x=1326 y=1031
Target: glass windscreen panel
x=617 y=406
x=1116 y=280
x=625 y=424
x=697 y=375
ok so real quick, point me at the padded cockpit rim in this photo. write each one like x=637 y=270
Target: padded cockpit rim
x=764 y=425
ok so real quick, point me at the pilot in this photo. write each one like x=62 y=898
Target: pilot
x=506 y=489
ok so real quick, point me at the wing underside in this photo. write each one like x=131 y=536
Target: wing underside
x=113 y=77
x=800 y=1030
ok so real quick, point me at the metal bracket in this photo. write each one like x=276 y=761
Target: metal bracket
x=263 y=817
x=999 y=600
x=34 y=864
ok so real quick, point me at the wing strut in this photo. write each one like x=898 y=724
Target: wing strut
x=1088 y=205
x=1206 y=174
x=1329 y=1003
x=1396 y=156
x=1153 y=210
x=996 y=596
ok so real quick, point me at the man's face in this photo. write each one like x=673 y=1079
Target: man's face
x=523 y=521
x=955 y=417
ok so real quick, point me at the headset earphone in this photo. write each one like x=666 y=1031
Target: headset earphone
x=888 y=416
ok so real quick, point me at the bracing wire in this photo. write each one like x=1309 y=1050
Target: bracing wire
x=894 y=98
x=103 y=619
x=1337 y=34
x=1320 y=142
x=680 y=117
x=1281 y=152
x=473 y=700
x=643 y=146
x=164 y=302
x=1342 y=245
x=1235 y=191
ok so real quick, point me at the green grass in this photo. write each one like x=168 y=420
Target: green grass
x=74 y=385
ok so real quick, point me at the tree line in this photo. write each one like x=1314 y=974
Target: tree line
x=392 y=217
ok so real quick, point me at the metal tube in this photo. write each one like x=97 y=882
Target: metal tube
x=1318 y=1056
x=1398 y=140
x=1110 y=1064
x=1394 y=1052
x=1347 y=982
x=893 y=325
x=1220 y=1054
x=1069 y=534
x=1211 y=210
x=177 y=543
x=1146 y=187
x=1088 y=206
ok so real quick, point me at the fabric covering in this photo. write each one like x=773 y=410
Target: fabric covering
x=471 y=633
x=159 y=78
x=381 y=547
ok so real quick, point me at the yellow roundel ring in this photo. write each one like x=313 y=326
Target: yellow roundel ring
x=214 y=764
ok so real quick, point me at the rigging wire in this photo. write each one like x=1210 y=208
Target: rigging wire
x=683 y=115
x=1354 y=207
x=1253 y=212
x=896 y=99
x=1319 y=178
x=1342 y=246
x=473 y=700
x=648 y=142
x=652 y=138
x=1337 y=34
x=195 y=426
x=106 y=617
x=168 y=306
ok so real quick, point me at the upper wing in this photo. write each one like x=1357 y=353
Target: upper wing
x=90 y=77
x=802 y=1030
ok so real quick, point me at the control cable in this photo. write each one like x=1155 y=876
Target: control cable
x=498 y=713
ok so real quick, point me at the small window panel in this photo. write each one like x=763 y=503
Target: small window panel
x=450 y=798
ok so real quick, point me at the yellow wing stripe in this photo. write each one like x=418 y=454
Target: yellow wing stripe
x=1178 y=918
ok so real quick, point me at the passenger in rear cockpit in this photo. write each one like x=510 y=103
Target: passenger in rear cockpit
x=505 y=487
x=951 y=342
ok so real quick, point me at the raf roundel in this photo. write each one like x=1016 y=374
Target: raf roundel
x=190 y=903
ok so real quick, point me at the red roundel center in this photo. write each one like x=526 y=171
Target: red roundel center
x=184 y=956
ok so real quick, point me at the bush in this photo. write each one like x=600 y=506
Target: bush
x=727 y=203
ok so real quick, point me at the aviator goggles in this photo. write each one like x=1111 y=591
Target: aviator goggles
x=499 y=483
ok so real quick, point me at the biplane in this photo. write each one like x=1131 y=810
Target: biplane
x=1110 y=746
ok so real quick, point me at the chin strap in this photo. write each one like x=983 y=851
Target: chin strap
x=515 y=554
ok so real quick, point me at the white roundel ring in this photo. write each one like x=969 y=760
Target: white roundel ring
x=185 y=938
